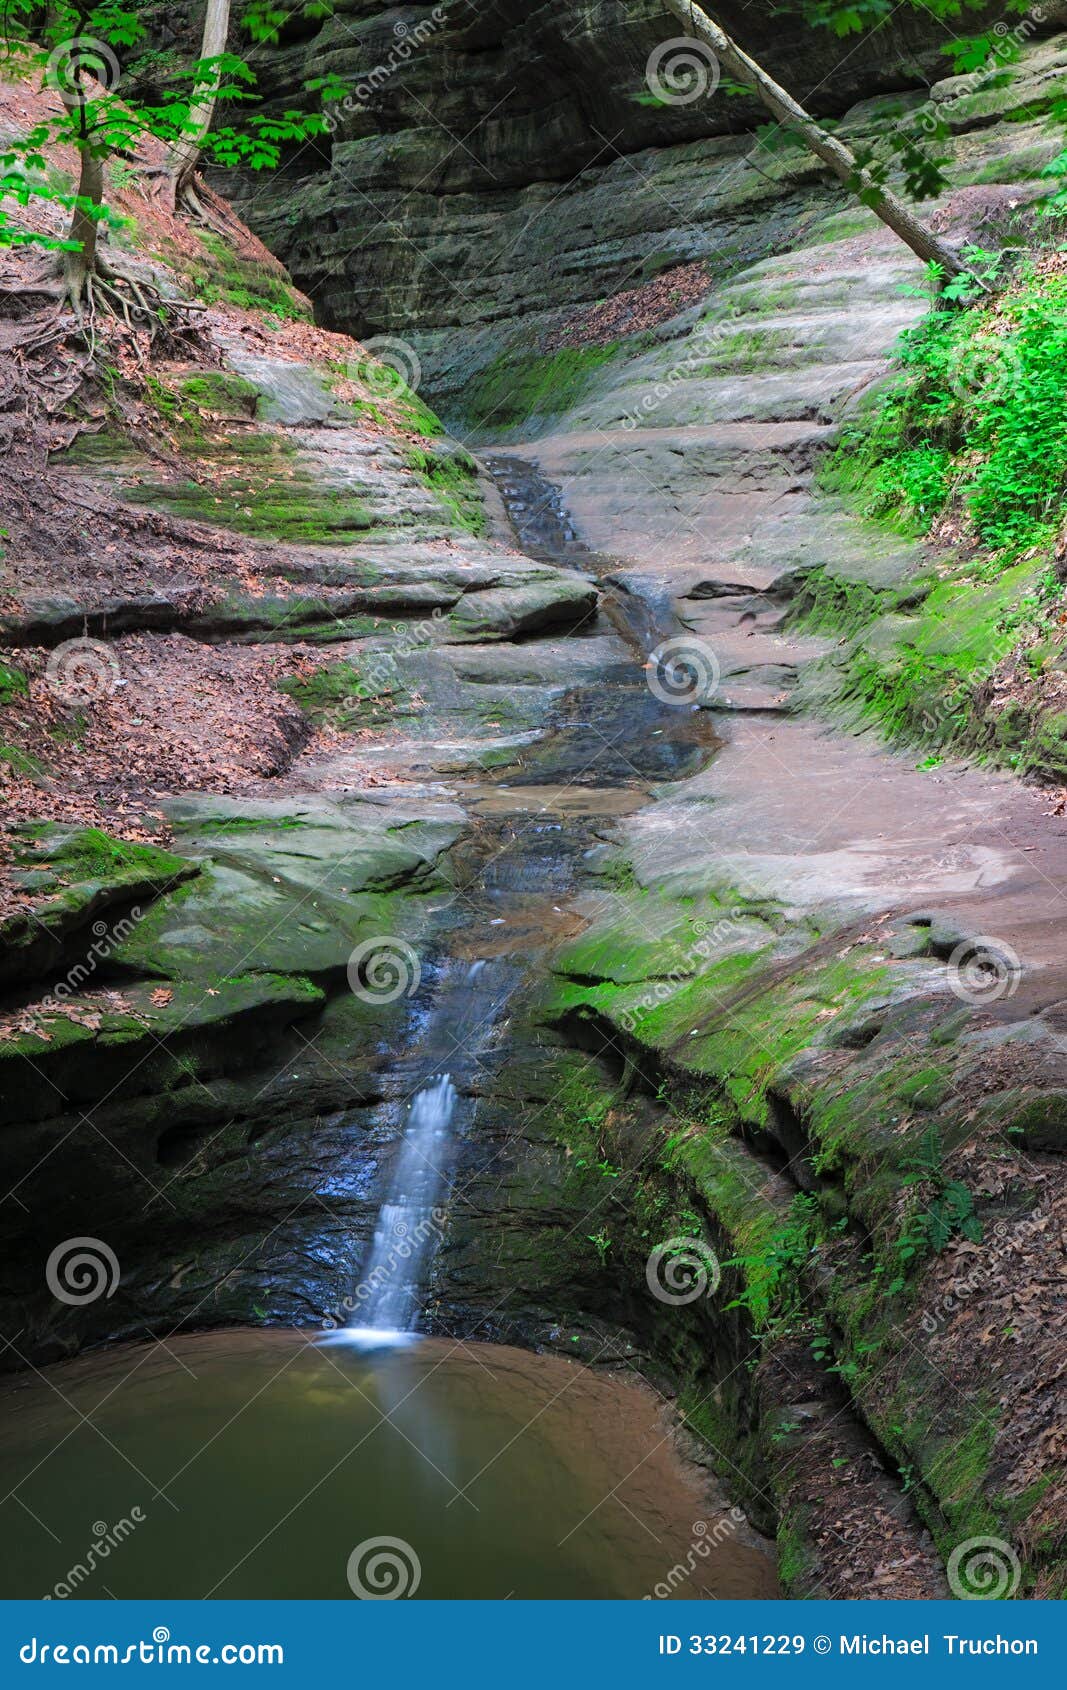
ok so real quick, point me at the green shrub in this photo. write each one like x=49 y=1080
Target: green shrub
x=978 y=414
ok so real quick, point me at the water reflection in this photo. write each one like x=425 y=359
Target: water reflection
x=259 y=1462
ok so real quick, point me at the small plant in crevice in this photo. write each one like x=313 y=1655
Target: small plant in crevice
x=822 y=1348
x=607 y=1169
x=949 y=1211
x=771 y=1276
x=601 y=1243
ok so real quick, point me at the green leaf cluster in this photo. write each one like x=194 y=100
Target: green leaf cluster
x=979 y=414
x=88 y=54
x=949 y=1211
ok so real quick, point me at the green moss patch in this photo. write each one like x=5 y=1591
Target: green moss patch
x=453 y=477
x=222 y=392
x=260 y=489
x=351 y=694
x=225 y=275
x=13 y=683
x=533 y=387
x=71 y=875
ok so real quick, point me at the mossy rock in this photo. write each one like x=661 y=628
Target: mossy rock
x=13 y=683
x=452 y=476
x=505 y=613
x=154 y=1047
x=349 y=694
x=1046 y=753
x=222 y=393
x=253 y=285
x=281 y=506
x=1040 y=1123
x=926 y=1090
x=521 y=388
x=73 y=875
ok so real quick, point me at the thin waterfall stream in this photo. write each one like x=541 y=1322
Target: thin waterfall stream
x=406 y=1229
x=386 y=1305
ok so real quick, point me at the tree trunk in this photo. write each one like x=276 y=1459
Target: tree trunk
x=83 y=228
x=893 y=211
x=185 y=154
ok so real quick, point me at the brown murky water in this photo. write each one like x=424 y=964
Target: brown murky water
x=256 y=1464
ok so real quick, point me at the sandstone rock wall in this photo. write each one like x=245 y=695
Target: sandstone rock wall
x=494 y=161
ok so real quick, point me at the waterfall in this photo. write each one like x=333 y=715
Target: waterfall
x=407 y=1227
x=385 y=1305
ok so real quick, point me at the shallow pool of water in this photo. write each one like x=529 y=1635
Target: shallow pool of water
x=257 y=1464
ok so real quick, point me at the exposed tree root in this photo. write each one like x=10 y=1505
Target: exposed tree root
x=191 y=199
x=54 y=320
x=189 y=196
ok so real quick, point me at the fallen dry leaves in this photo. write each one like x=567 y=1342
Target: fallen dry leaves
x=636 y=309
